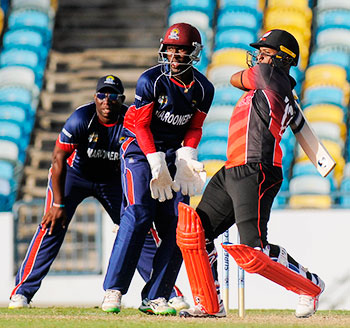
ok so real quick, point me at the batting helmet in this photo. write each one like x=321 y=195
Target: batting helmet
x=182 y=34
x=282 y=41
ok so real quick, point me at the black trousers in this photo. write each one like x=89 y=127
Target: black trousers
x=241 y=195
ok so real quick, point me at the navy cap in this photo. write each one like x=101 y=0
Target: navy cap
x=110 y=82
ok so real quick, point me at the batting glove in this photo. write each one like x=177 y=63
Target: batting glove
x=190 y=175
x=160 y=184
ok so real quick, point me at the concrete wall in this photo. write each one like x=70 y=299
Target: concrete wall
x=317 y=239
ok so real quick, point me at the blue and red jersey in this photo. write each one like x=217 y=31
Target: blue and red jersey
x=94 y=146
x=166 y=112
x=261 y=117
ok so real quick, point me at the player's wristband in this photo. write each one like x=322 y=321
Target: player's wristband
x=58 y=205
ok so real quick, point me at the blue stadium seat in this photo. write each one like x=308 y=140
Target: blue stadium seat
x=227 y=96
x=9 y=151
x=32 y=19
x=219 y=113
x=220 y=75
x=234 y=38
x=344 y=199
x=334 y=4
x=6 y=170
x=205 y=6
x=250 y=4
x=24 y=58
x=26 y=38
x=194 y=17
x=215 y=130
x=17 y=96
x=6 y=200
x=287 y=158
x=333 y=38
x=212 y=150
x=202 y=65
x=309 y=185
x=238 y=18
x=333 y=19
x=19 y=57
x=324 y=95
x=335 y=57
x=12 y=132
x=297 y=74
x=40 y=5
x=16 y=114
x=306 y=168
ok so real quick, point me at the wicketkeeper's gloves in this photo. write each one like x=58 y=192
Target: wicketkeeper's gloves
x=160 y=184
x=190 y=175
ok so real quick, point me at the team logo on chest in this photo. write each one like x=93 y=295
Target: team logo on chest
x=93 y=137
x=162 y=99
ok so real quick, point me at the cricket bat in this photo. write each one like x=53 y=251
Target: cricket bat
x=311 y=145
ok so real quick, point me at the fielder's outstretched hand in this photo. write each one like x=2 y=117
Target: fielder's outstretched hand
x=190 y=174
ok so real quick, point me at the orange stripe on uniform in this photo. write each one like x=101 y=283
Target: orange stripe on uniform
x=126 y=143
x=130 y=187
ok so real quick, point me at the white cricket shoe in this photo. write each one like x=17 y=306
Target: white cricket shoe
x=18 y=301
x=112 y=301
x=307 y=305
x=158 y=306
x=199 y=311
x=178 y=303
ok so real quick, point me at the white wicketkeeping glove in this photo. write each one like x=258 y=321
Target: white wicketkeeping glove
x=160 y=184
x=190 y=175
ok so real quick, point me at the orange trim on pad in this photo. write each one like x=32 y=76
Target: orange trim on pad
x=255 y=261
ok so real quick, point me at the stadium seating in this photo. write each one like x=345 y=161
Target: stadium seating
x=18 y=115
x=227 y=95
x=215 y=130
x=212 y=149
x=234 y=38
x=9 y=151
x=30 y=18
x=219 y=113
x=26 y=38
x=25 y=46
x=200 y=14
x=212 y=166
x=334 y=4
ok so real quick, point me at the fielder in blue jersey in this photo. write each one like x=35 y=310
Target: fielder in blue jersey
x=162 y=130
x=85 y=163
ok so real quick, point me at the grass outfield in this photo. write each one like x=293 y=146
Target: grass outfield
x=129 y=318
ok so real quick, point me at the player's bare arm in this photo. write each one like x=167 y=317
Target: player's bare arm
x=237 y=80
x=57 y=214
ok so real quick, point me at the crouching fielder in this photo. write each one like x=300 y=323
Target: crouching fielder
x=243 y=190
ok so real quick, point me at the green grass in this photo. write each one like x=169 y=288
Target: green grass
x=130 y=318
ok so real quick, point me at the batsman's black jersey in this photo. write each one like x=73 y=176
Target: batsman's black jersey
x=261 y=117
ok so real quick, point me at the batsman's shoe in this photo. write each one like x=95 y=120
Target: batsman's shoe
x=112 y=301
x=178 y=303
x=199 y=312
x=158 y=306
x=307 y=305
x=18 y=301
